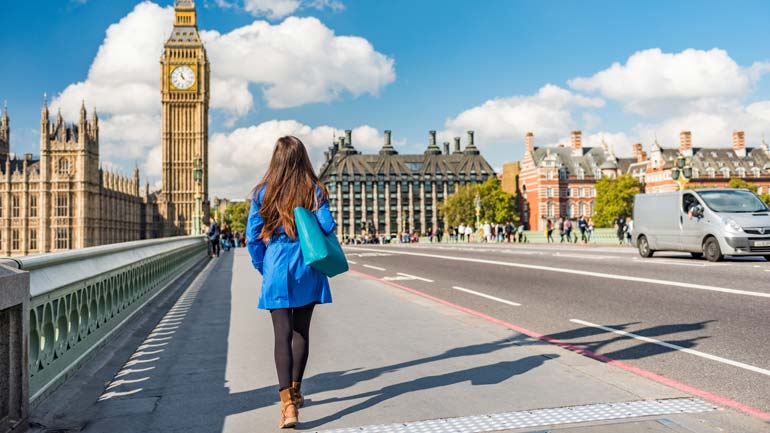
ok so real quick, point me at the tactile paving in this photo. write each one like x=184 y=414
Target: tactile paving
x=540 y=417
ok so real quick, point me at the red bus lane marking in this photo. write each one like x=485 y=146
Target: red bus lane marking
x=714 y=398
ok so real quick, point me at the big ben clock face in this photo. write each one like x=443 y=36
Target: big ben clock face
x=183 y=77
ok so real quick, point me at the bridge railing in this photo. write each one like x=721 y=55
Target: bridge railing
x=79 y=298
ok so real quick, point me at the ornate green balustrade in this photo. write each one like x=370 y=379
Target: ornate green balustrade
x=79 y=298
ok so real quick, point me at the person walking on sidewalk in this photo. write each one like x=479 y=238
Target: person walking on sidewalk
x=568 y=230
x=213 y=235
x=549 y=231
x=290 y=289
x=560 y=227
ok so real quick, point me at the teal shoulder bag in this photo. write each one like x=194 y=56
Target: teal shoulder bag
x=321 y=252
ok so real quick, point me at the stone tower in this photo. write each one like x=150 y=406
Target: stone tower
x=5 y=135
x=184 y=72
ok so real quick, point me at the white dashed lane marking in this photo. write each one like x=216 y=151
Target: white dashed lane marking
x=375 y=267
x=484 y=295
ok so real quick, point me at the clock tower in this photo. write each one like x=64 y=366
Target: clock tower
x=184 y=77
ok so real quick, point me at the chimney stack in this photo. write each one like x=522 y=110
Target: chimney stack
x=432 y=140
x=470 y=140
x=349 y=137
x=576 y=142
x=446 y=148
x=639 y=153
x=685 y=143
x=457 y=145
x=387 y=138
x=739 y=144
x=530 y=141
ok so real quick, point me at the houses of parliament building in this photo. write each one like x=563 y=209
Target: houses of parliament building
x=64 y=199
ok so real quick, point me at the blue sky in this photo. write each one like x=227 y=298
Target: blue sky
x=445 y=65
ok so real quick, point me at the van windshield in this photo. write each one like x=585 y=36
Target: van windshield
x=732 y=201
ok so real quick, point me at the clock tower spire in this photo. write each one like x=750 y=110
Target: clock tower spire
x=184 y=69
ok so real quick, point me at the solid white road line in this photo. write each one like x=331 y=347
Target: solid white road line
x=374 y=267
x=352 y=262
x=586 y=273
x=415 y=277
x=484 y=295
x=675 y=347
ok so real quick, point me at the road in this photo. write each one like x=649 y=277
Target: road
x=701 y=324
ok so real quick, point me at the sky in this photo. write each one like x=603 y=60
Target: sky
x=622 y=72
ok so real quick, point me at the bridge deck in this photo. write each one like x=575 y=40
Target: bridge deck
x=202 y=362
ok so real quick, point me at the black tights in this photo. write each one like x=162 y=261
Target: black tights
x=292 y=342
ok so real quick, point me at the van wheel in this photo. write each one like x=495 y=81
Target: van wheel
x=644 y=247
x=696 y=255
x=711 y=250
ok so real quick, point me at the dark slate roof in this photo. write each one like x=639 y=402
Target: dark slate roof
x=590 y=159
x=33 y=165
x=704 y=159
x=348 y=161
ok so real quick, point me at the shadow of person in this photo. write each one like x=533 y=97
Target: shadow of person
x=483 y=375
x=337 y=380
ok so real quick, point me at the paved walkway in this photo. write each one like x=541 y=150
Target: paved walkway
x=202 y=362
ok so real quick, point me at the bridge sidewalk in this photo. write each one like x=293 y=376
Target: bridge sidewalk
x=379 y=355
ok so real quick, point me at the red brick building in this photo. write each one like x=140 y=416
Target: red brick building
x=559 y=181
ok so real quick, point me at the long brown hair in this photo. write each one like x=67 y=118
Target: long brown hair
x=289 y=182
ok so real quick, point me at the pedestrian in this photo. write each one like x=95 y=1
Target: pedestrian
x=560 y=227
x=520 y=233
x=568 y=230
x=549 y=231
x=439 y=234
x=583 y=226
x=226 y=235
x=213 y=235
x=591 y=230
x=630 y=231
x=290 y=182
x=620 y=228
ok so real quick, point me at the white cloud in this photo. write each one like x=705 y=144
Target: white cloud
x=123 y=85
x=296 y=62
x=651 y=81
x=277 y=9
x=548 y=113
x=242 y=156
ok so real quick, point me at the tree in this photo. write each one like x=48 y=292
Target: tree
x=614 y=197
x=496 y=205
x=236 y=214
x=736 y=182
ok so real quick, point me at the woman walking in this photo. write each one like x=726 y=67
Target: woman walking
x=290 y=289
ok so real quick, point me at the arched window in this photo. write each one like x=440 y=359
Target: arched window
x=550 y=209
x=64 y=166
x=741 y=172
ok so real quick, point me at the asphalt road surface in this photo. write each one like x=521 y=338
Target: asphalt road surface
x=703 y=324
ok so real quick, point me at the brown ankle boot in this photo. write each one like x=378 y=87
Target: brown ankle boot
x=298 y=399
x=289 y=412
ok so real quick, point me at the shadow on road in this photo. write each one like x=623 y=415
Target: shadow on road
x=577 y=337
x=483 y=375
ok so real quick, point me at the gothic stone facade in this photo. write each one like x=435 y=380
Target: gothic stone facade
x=185 y=101
x=64 y=200
x=559 y=181
x=387 y=193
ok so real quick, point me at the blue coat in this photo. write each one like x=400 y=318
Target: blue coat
x=286 y=281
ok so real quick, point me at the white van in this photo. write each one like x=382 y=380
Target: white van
x=703 y=222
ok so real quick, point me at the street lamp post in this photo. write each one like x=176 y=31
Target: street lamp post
x=477 y=204
x=682 y=172
x=197 y=177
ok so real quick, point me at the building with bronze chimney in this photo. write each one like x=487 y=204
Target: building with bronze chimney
x=388 y=192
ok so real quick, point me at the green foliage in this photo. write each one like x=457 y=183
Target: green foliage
x=496 y=205
x=236 y=214
x=615 y=197
x=736 y=182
